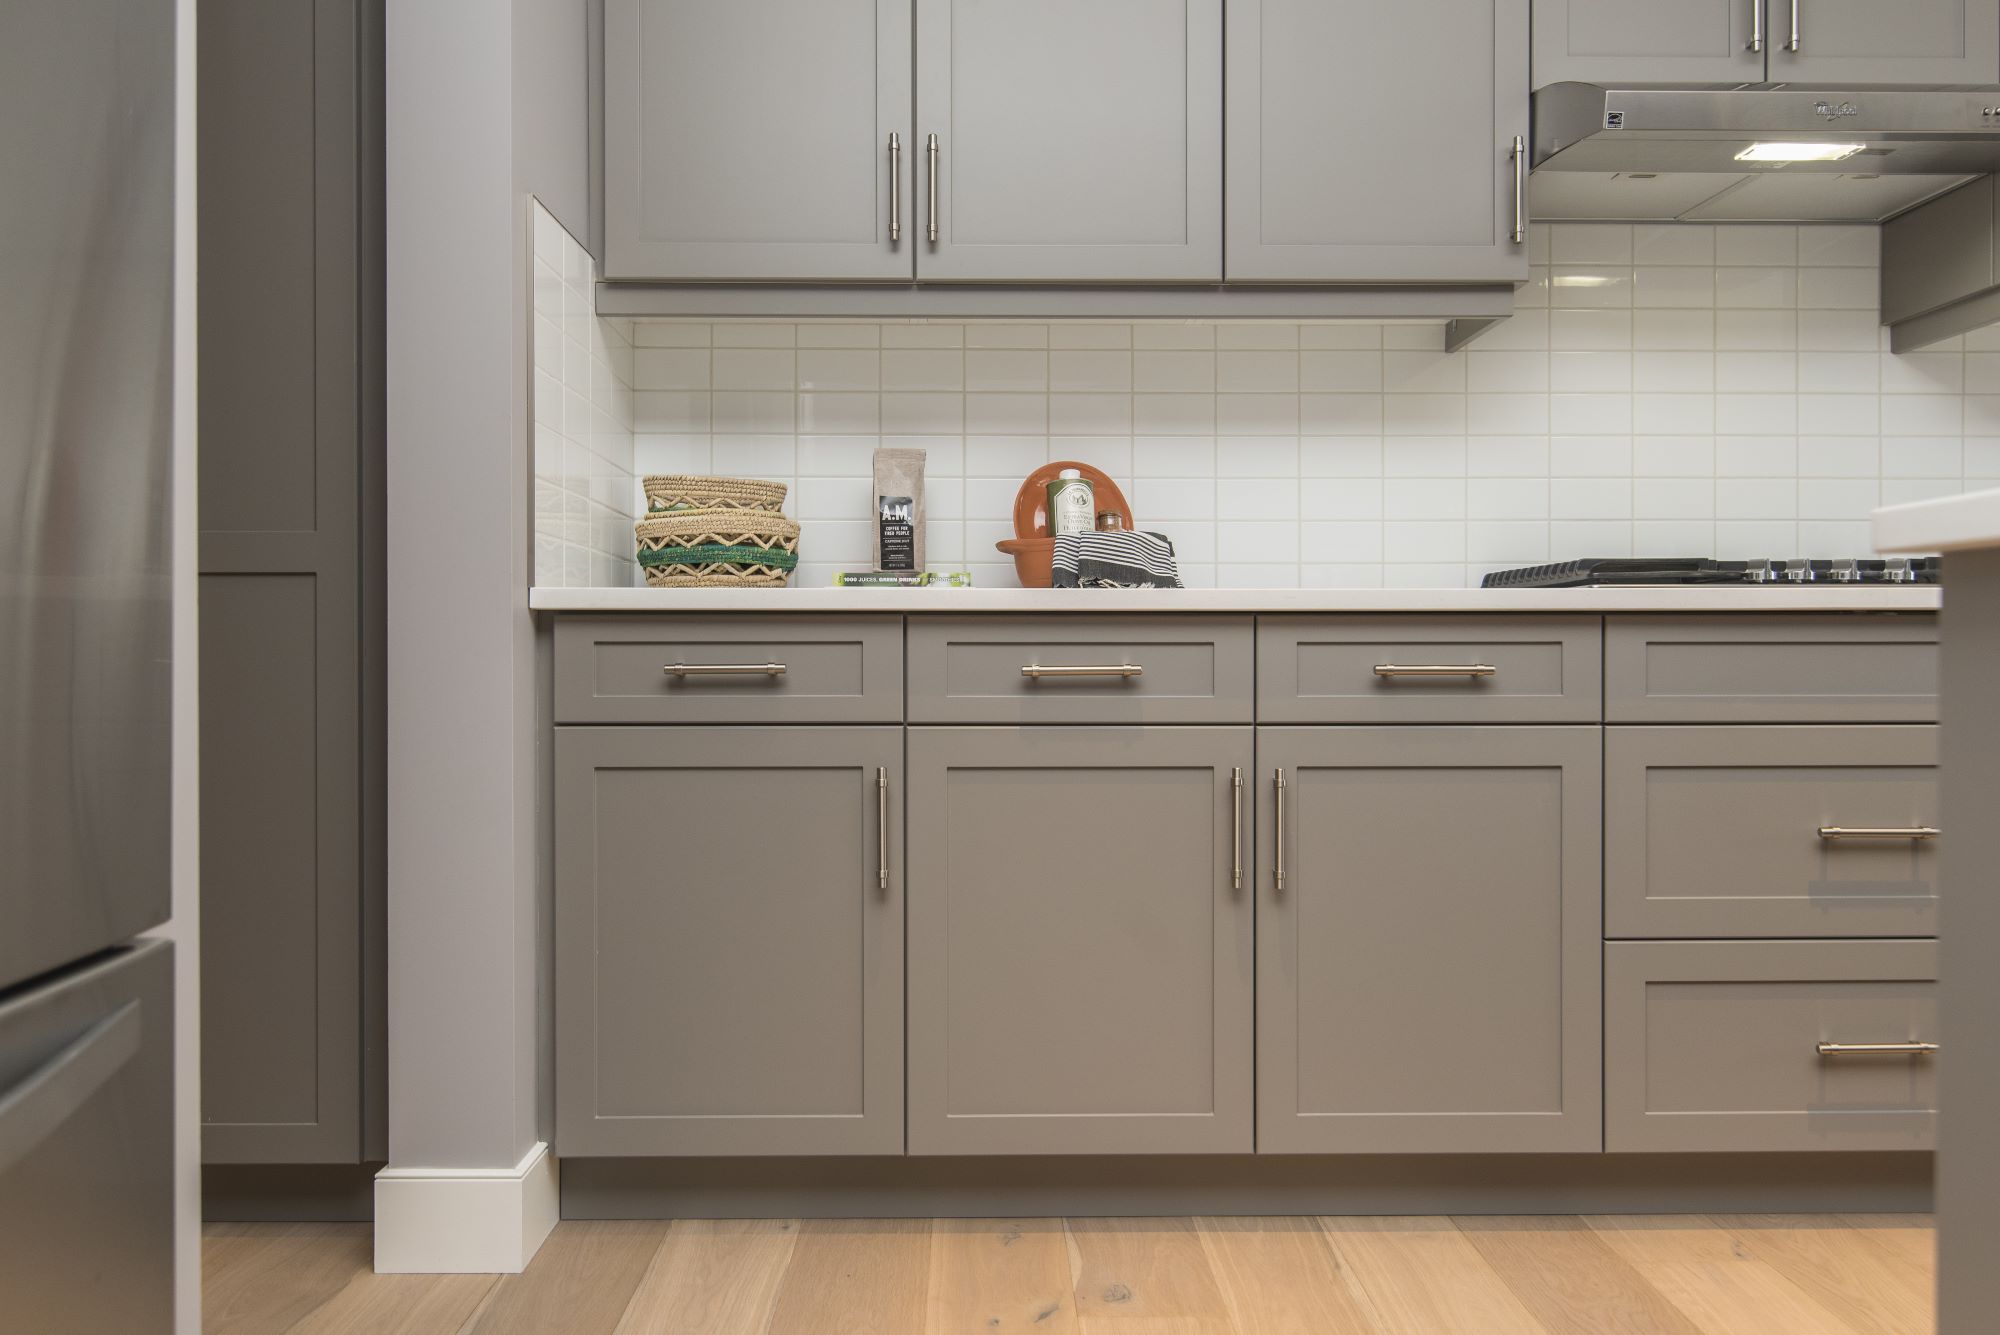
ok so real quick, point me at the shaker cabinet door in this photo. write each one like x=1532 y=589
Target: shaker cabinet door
x=1076 y=142
x=1428 y=940
x=1651 y=41
x=751 y=140
x=1867 y=41
x=1080 y=955
x=1374 y=142
x=729 y=953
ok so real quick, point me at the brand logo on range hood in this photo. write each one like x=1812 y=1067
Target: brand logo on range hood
x=1833 y=111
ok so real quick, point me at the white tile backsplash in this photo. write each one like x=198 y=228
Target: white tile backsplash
x=1673 y=390
x=584 y=411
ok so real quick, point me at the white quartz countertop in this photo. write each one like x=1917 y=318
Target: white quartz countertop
x=1948 y=524
x=1820 y=598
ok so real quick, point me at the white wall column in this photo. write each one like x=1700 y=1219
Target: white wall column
x=470 y=1185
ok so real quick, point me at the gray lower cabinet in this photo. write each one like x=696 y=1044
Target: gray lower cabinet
x=1649 y=41
x=1080 y=951
x=751 y=140
x=729 y=941
x=1075 y=142
x=1742 y=832
x=1428 y=939
x=1770 y=1045
x=1318 y=191
x=1867 y=41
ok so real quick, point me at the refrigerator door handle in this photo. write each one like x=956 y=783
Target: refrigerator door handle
x=53 y=1091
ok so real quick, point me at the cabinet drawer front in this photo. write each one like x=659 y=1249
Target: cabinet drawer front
x=1715 y=1045
x=1810 y=668
x=1141 y=669
x=1427 y=669
x=1771 y=831
x=773 y=670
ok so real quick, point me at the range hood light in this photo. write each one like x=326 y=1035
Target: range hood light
x=1798 y=152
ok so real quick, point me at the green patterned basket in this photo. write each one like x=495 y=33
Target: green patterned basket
x=717 y=547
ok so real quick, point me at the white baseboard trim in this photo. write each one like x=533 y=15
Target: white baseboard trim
x=476 y=1221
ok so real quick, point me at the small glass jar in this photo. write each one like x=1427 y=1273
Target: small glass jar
x=1110 y=521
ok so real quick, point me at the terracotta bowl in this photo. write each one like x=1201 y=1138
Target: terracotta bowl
x=1031 y=502
x=1034 y=560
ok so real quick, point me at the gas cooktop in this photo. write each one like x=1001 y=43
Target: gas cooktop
x=1639 y=571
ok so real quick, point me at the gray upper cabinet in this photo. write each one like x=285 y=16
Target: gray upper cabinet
x=1372 y=142
x=720 y=990
x=1075 y=142
x=1909 y=41
x=1427 y=972
x=751 y=140
x=1649 y=41
x=1751 y=41
x=1080 y=952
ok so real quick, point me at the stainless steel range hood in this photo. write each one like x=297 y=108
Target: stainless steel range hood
x=1678 y=154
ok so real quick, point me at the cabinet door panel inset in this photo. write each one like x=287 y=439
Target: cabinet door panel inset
x=750 y=140
x=1076 y=142
x=1428 y=972
x=1079 y=963
x=719 y=990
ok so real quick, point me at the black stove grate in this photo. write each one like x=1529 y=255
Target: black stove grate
x=1603 y=572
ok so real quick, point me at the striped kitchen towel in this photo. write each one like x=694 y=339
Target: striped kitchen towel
x=1119 y=559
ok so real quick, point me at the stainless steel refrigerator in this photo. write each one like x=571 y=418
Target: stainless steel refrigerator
x=86 y=374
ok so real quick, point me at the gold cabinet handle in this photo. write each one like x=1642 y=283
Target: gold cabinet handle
x=1236 y=828
x=1757 y=26
x=1836 y=833
x=1036 y=670
x=882 y=829
x=1436 y=670
x=1912 y=1048
x=895 y=187
x=1793 y=44
x=1278 y=835
x=725 y=670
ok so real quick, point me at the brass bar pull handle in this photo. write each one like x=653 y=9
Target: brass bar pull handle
x=1519 y=235
x=1835 y=833
x=1278 y=834
x=1436 y=670
x=932 y=152
x=1036 y=670
x=1910 y=1049
x=1236 y=829
x=1757 y=26
x=725 y=670
x=882 y=829
x=1793 y=45
x=895 y=186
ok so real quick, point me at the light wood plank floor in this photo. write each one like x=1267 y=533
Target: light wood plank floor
x=1558 y=1275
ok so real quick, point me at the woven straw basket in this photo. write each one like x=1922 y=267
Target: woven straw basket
x=717 y=547
x=682 y=491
